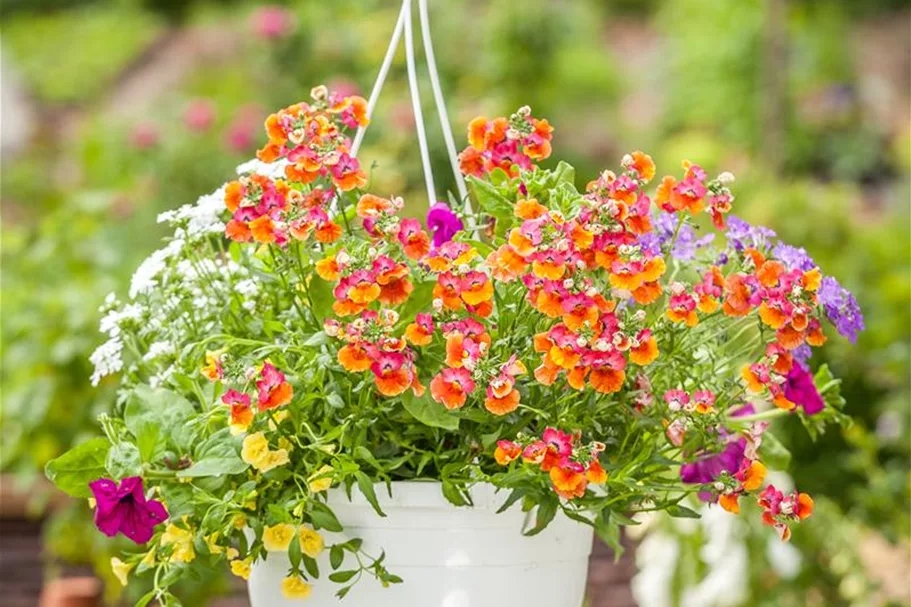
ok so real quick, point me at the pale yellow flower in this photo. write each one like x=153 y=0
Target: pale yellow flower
x=241 y=568
x=149 y=559
x=321 y=484
x=239 y=521
x=182 y=542
x=121 y=570
x=212 y=543
x=278 y=537
x=311 y=542
x=294 y=587
x=255 y=448
x=273 y=459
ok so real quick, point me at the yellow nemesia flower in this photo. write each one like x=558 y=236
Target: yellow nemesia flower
x=149 y=559
x=232 y=553
x=294 y=587
x=255 y=448
x=278 y=537
x=321 y=484
x=182 y=541
x=241 y=568
x=121 y=570
x=311 y=542
x=239 y=521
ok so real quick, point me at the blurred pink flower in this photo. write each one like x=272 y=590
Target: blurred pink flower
x=199 y=115
x=272 y=22
x=343 y=87
x=240 y=136
x=144 y=136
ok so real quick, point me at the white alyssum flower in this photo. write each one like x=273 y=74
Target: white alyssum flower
x=247 y=287
x=200 y=219
x=275 y=170
x=157 y=350
x=107 y=359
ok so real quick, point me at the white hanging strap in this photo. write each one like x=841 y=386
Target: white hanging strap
x=381 y=77
x=441 y=105
x=416 y=105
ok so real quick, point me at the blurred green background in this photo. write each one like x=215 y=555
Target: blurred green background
x=114 y=111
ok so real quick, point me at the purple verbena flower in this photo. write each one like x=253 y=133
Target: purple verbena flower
x=124 y=509
x=841 y=308
x=443 y=223
x=742 y=235
x=687 y=244
x=795 y=258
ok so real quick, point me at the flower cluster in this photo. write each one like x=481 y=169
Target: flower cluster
x=658 y=356
x=510 y=145
x=570 y=465
x=310 y=136
x=370 y=345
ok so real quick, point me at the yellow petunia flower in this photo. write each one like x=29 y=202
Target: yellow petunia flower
x=294 y=587
x=321 y=484
x=121 y=570
x=311 y=542
x=241 y=568
x=278 y=537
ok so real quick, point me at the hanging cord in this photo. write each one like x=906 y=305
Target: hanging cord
x=441 y=104
x=381 y=77
x=416 y=105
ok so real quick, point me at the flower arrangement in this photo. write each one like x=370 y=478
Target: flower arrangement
x=588 y=353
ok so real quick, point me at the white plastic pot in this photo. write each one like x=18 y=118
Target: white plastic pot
x=447 y=556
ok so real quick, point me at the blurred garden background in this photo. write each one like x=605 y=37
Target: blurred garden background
x=114 y=111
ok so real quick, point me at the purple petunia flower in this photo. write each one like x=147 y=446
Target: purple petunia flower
x=706 y=469
x=801 y=390
x=742 y=235
x=841 y=308
x=125 y=510
x=795 y=258
x=443 y=223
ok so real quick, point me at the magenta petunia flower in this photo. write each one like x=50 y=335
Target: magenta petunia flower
x=124 y=509
x=801 y=390
x=443 y=223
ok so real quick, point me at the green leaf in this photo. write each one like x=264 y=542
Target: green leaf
x=336 y=556
x=214 y=466
x=773 y=453
x=162 y=408
x=492 y=202
x=323 y=518
x=317 y=339
x=514 y=497
x=123 y=460
x=74 y=470
x=544 y=515
x=294 y=551
x=321 y=295
x=366 y=486
x=678 y=511
x=429 y=412
x=311 y=566
x=340 y=577
x=565 y=173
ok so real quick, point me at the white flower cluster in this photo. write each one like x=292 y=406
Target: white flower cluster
x=182 y=287
x=201 y=219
